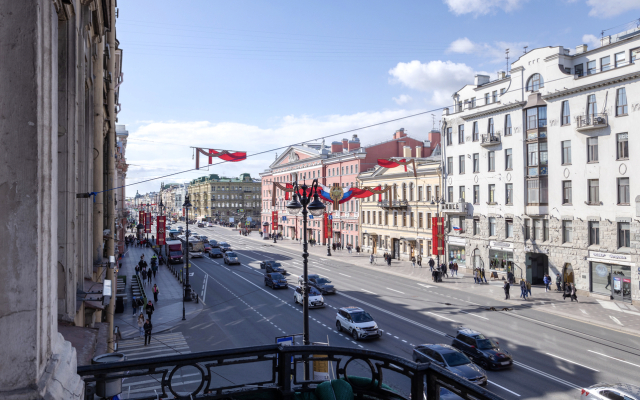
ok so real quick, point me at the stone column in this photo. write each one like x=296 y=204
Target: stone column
x=37 y=362
x=98 y=156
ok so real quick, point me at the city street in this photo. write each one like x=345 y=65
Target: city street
x=552 y=355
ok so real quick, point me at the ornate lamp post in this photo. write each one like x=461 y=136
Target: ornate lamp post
x=309 y=203
x=187 y=287
x=438 y=202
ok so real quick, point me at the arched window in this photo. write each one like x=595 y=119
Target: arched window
x=535 y=83
x=404 y=191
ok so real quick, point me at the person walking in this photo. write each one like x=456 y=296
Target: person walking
x=455 y=268
x=574 y=294
x=141 y=324
x=547 y=281
x=371 y=259
x=506 y=287
x=482 y=275
x=431 y=264
x=134 y=305
x=444 y=270
x=413 y=262
x=523 y=289
x=137 y=270
x=420 y=260
x=147 y=331
x=154 y=269
x=558 y=282
x=150 y=309
x=475 y=275
x=389 y=260
x=155 y=292
x=144 y=276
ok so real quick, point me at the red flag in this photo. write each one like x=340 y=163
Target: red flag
x=161 y=231
x=392 y=164
x=147 y=223
x=437 y=235
x=228 y=156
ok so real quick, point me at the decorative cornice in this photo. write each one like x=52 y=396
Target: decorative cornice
x=496 y=110
x=591 y=86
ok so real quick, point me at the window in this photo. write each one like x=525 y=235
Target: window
x=494 y=96
x=476 y=194
x=368 y=217
x=450 y=165
x=508 y=194
x=473 y=102
x=619 y=59
x=566 y=192
x=538 y=231
x=476 y=162
x=428 y=220
x=592 y=149
x=419 y=193
x=591 y=67
x=623 y=191
x=533 y=191
x=592 y=105
x=476 y=132
x=508 y=159
x=532 y=155
x=419 y=220
x=449 y=136
x=622 y=146
x=428 y=191
x=545 y=230
x=621 y=102
x=411 y=219
x=461 y=164
x=492 y=193
x=404 y=219
x=566 y=113
x=594 y=191
x=492 y=226
x=566 y=152
x=450 y=194
x=395 y=219
x=404 y=191
x=579 y=70
x=605 y=63
x=624 y=234
x=535 y=83
x=476 y=226
x=492 y=161
x=634 y=54
x=461 y=133
x=594 y=232
x=438 y=192
x=527 y=229
x=461 y=193
x=508 y=228
x=490 y=126
x=486 y=98
x=567 y=231
x=507 y=125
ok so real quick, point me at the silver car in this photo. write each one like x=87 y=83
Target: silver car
x=606 y=391
x=452 y=359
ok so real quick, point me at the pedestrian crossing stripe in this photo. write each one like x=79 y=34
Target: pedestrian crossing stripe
x=163 y=344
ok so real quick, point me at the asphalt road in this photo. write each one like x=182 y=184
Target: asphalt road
x=554 y=356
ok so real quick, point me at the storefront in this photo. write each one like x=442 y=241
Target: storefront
x=610 y=274
x=456 y=250
x=501 y=256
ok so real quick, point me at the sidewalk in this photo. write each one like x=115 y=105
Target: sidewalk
x=168 y=308
x=609 y=314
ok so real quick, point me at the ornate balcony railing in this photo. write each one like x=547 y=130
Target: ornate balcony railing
x=490 y=139
x=275 y=372
x=592 y=121
x=393 y=204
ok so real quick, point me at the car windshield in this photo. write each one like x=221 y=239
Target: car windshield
x=323 y=280
x=276 y=264
x=486 y=344
x=276 y=276
x=175 y=253
x=361 y=317
x=231 y=254
x=224 y=244
x=314 y=292
x=454 y=359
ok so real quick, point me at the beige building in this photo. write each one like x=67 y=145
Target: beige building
x=223 y=199
x=400 y=224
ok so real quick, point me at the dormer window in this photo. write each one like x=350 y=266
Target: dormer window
x=535 y=83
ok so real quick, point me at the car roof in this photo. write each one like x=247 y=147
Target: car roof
x=468 y=332
x=351 y=309
x=623 y=387
x=441 y=348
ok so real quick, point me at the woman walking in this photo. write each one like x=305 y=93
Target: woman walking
x=574 y=295
x=155 y=292
x=506 y=288
x=141 y=324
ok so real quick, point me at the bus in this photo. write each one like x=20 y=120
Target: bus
x=195 y=248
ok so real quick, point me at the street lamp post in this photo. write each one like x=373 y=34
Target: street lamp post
x=316 y=208
x=187 y=287
x=438 y=202
x=328 y=231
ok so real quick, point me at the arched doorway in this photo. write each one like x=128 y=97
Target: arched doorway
x=567 y=275
x=477 y=260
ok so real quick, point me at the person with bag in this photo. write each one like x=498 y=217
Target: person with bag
x=141 y=324
x=155 y=292
x=547 y=282
x=147 y=331
x=506 y=287
x=150 y=309
x=574 y=294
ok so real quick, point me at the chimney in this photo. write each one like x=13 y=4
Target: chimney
x=336 y=147
x=345 y=144
x=434 y=137
x=418 y=151
x=406 y=151
x=399 y=134
x=354 y=143
x=445 y=111
x=582 y=48
x=481 y=80
x=605 y=40
x=501 y=74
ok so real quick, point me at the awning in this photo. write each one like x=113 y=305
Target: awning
x=371 y=234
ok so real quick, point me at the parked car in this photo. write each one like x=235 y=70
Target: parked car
x=315 y=297
x=214 y=243
x=200 y=225
x=321 y=283
x=231 y=258
x=482 y=350
x=224 y=247
x=275 y=280
x=272 y=266
x=215 y=252
x=618 y=391
x=357 y=322
x=450 y=358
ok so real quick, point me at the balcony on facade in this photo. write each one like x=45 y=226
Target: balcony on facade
x=490 y=139
x=591 y=121
x=393 y=204
x=459 y=207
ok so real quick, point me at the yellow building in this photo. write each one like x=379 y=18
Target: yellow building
x=231 y=200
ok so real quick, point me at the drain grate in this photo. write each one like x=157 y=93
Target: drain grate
x=499 y=309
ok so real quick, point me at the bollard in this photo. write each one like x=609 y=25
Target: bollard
x=109 y=387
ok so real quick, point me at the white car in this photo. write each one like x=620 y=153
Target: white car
x=357 y=322
x=209 y=224
x=315 y=297
x=604 y=391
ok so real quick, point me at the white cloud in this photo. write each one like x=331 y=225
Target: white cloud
x=482 y=7
x=439 y=78
x=495 y=52
x=591 y=40
x=463 y=45
x=611 y=8
x=402 y=99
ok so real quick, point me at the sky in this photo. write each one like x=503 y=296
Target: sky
x=257 y=76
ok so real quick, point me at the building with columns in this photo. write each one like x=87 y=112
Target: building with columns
x=221 y=199
x=338 y=164
x=542 y=160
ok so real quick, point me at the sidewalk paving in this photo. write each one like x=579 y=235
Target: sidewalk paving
x=168 y=308
x=590 y=309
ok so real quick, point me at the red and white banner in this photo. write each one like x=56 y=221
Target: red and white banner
x=437 y=235
x=327 y=226
x=183 y=211
x=274 y=221
x=141 y=217
x=147 y=222
x=226 y=155
x=161 y=230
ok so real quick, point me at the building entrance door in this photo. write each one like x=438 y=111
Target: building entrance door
x=395 y=248
x=539 y=265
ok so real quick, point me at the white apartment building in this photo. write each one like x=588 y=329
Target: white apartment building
x=539 y=168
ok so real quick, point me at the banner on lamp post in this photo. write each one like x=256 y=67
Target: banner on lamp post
x=141 y=217
x=327 y=227
x=161 y=230
x=437 y=234
x=274 y=221
x=147 y=222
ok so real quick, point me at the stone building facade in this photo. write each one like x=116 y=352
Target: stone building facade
x=231 y=200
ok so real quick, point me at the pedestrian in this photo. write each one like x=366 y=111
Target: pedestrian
x=420 y=260
x=523 y=289
x=475 y=275
x=455 y=266
x=506 y=288
x=528 y=286
x=389 y=260
x=371 y=259
x=154 y=269
x=574 y=294
x=134 y=305
x=155 y=292
x=149 y=276
x=147 y=331
x=144 y=276
x=482 y=275
x=444 y=270
x=413 y=262
x=547 y=281
x=137 y=270
x=141 y=324
x=558 y=282
x=150 y=309
x=431 y=263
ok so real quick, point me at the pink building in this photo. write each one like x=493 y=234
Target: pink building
x=338 y=164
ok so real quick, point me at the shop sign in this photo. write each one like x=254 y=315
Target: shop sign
x=610 y=256
x=500 y=245
x=456 y=240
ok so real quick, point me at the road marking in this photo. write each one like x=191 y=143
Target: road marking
x=404 y=340
x=363 y=291
x=427 y=286
x=503 y=388
x=324 y=268
x=571 y=385
x=616 y=320
x=344 y=274
x=572 y=362
x=438 y=315
x=474 y=315
x=584 y=312
x=393 y=290
x=615 y=358
x=396 y=337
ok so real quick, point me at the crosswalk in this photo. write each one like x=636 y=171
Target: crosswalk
x=163 y=344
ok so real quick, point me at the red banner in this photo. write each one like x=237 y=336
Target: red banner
x=147 y=222
x=437 y=235
x=274 y=221
x=183 y=211
x=327 y=226
x=141 y=217
x=161 y=231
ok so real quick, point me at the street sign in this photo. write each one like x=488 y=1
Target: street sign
x=284 y=218
x=330 y=216
x=249 y=219
x=285 y=341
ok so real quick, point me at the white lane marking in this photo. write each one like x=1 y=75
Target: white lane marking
x=348 y=276
x=584 y=312
x=572 y=362
x=615 y=358
x=440 y=316
x=393 y=290
x=537 y=371
x=503 y=388
x=360 y=346
x=470 y=302
x=323 y=268
x=362 y=290
x=404 y=340
x=396 y=337
x=473 y=315
x=427 y=286
x=616 y=320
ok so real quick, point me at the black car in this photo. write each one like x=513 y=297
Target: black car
x=319 y=282
x=275 y=280
x=224 y=246
x=482 y=350
x=214 y=243
x=215 y=252
x=200 y=225
x=452 y=359
x=272 y=266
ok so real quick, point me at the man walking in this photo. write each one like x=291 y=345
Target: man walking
x=144 y=276
x=506 y=288
x=155 y=292
x=558 y=282
x=431 y=264
x=134 y=305
x=523 y=289
x=420 y=260
x=150 y=309
x=147 y=331
x=547 y=281
x=482 y=275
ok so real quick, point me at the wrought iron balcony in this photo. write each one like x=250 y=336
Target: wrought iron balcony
x=592 y=121
x=276 y=372
x=393 y=204
x=490 y=139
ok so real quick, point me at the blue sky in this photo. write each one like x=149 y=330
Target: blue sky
x=255 y=75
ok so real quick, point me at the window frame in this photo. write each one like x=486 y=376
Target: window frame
x=592 y=150
x=567 y=193
x=508 y=159
x=618 y=63
x=461 y=164
x=593 y=233
x=532 y=85
x=592 y=67
x=603 y=66
x=624 y=235
x=622 y=110
x=593 y=192
x=508 y=127
x=461 y=134
x=623 y=191
x=492 y=193
x=476 y=194
x=475 y=133
x=565 y=155
x=567 y=231
x=491 y=161
x=625 y=146
x=476 y=162
x=565 y=113
x=508 y=194
x=492 y=226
